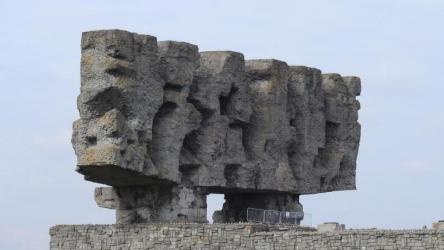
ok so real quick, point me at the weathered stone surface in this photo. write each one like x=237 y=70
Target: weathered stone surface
x=121 y=92
x=336 y=162
x=236 y=205
x=153 y=203
x=330 y=227
x=162 y=123
x=235 y=236
x=438 y=225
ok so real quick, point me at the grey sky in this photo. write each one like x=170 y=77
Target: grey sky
x=396 y=47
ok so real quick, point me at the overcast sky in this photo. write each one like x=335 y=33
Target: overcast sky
x=396 y=47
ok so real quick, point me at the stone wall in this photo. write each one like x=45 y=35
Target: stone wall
x=234 y=236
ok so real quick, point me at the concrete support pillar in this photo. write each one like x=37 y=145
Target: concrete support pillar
x=167 y=203
x=236 y=205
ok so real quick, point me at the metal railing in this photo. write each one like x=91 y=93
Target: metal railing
x=258 y=215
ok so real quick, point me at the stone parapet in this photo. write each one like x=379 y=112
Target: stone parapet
x=235 y=236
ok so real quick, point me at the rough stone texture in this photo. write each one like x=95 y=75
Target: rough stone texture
x=154 y=203
x=235 y=236
x=236 y=204
x=438 y=225
x=165 y=125
x=330 y=227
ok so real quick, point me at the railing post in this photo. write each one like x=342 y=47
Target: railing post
x=263 y=217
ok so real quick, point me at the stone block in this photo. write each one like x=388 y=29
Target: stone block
x=438 y=225
x=330 y=227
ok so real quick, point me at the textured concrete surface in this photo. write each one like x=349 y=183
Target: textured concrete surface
x=235 y=236
x=165 y=125
x=330 y=227
x=438 y=225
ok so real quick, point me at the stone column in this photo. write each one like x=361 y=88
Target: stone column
x=154 y=203
x=236 y=205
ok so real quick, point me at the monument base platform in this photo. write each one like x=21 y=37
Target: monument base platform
x=234 y=236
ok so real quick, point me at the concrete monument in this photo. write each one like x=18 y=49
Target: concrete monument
x=164 y=125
